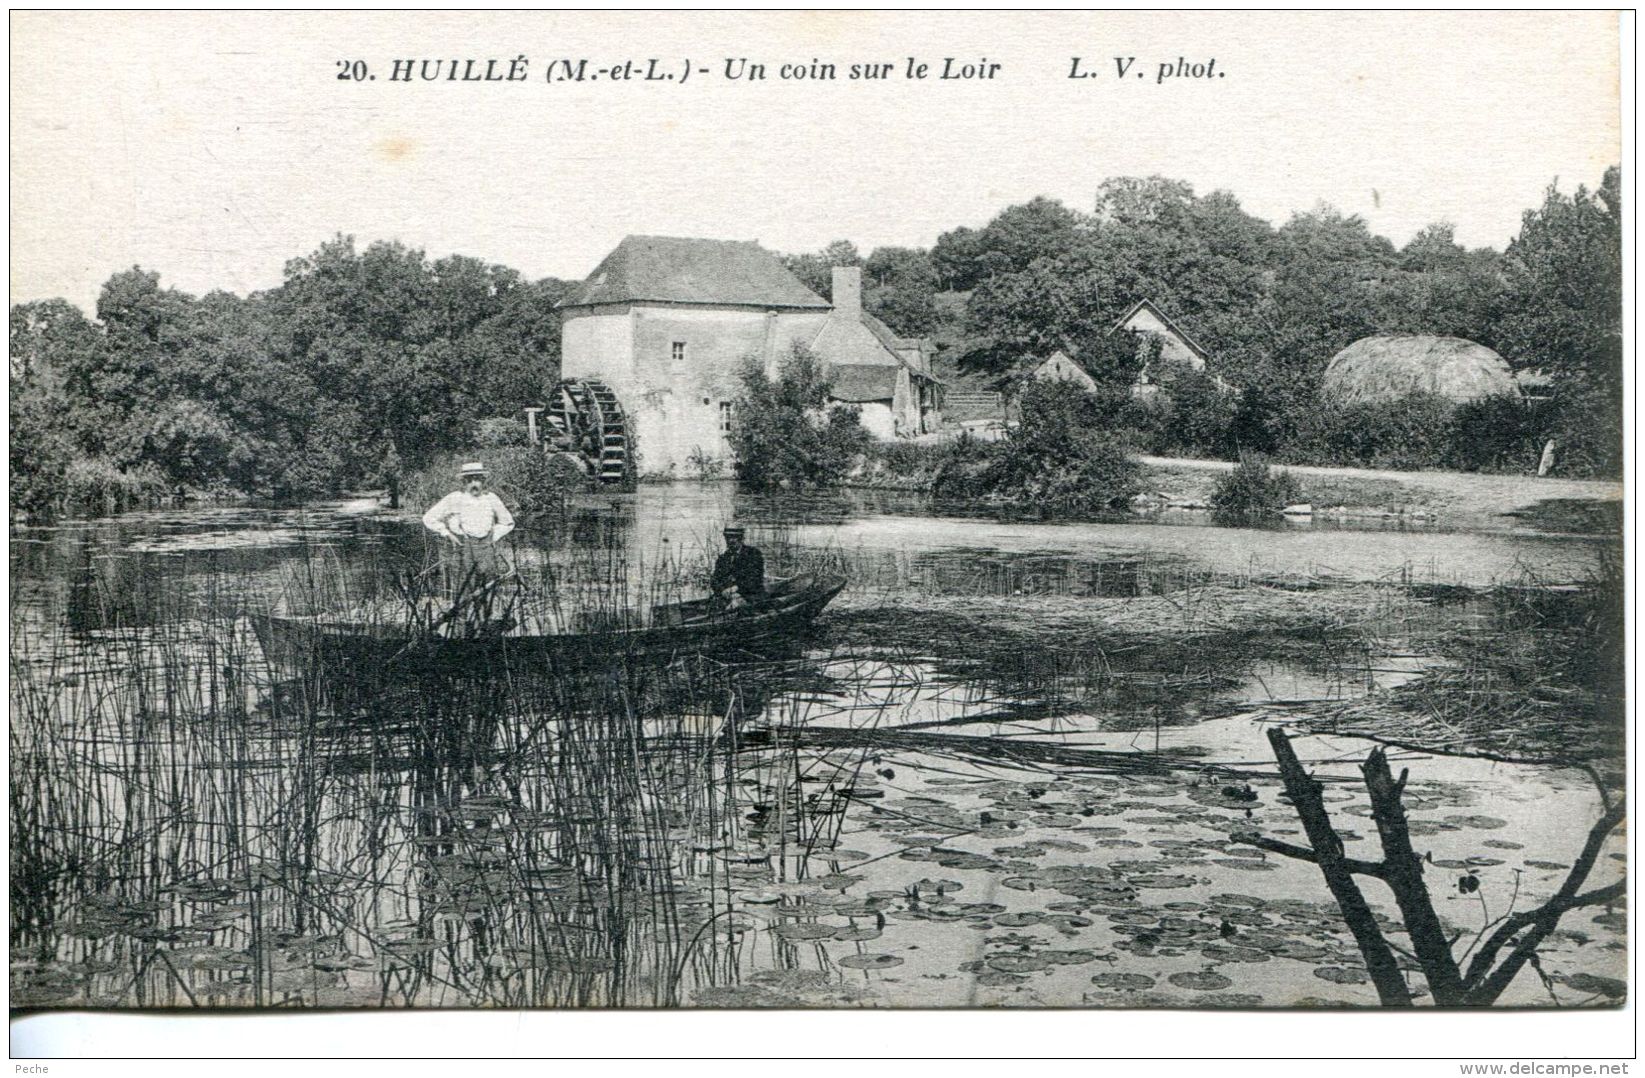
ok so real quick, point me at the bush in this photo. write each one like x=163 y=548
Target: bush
x=1192 y=415
x=1497 y=433
x=786 y=434
x=702 y=465
x=1253 y=491
x=93 y=486
x=501 y=432
x=1059 y=458
x=40 y=454
x=922 y=465
x=1409 y=433
x=1586 y=426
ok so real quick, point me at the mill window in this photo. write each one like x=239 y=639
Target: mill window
x=725 y=417
x=677 y=350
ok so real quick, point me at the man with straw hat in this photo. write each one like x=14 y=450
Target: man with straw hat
x=471 y=520
x=741 y=567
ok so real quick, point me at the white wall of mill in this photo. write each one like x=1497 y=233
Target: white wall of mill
x=666 y=399
x=878 y=419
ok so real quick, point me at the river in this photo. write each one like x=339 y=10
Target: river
x=1009 y=769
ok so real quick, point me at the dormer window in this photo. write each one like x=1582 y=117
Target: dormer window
x=677 y=351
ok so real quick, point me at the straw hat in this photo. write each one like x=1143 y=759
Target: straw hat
x=473 y=467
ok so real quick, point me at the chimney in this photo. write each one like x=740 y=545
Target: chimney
x=848 y=290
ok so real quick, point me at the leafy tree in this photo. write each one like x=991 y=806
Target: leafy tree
x=816 y=271
x=1134 y=200
x=1562 y=311
x=786 y=433
x=1020 y=235
x=1198 y=416
x=901 y=289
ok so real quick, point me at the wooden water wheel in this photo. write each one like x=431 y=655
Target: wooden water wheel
x=587 y=420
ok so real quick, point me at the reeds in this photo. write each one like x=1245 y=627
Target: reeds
x=194 y=828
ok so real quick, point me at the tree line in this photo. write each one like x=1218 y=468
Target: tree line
x=363 y=364
x=1272 y=305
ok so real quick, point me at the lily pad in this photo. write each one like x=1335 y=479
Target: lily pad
x=1019 y=920
x=1123 y=982
x=1219 y=953
x=939 y=887
x=995 y=979
x=1488 y=823
x=802 y=932
x=870 y=961
x=1609 y=987
x=1204 y=981
x=1342 y=975
x=1244 y=864
x=1016 y=963
x=856 y=935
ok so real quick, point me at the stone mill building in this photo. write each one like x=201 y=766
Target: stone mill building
x=667 y=323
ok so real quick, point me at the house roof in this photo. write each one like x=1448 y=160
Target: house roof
x=673 y=269
x=1165 y=320
x=860 y=382
x=859 y=340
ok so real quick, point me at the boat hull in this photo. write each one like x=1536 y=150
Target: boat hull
x=296 y=645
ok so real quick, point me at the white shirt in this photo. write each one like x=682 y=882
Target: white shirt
x=469 y=517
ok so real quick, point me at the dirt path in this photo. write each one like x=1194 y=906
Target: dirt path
x=1444 y=493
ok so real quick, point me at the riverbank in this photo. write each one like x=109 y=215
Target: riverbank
x=1434 y=493
x=1446 y=499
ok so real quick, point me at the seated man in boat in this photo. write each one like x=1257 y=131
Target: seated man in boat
x=471 y=520
x=741 y=569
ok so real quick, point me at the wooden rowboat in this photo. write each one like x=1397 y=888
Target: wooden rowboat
x=296 y=645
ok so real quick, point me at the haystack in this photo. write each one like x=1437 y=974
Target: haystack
x=1387 y=368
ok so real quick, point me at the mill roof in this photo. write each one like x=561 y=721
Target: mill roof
x=675 y=269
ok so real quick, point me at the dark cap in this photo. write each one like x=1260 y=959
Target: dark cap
x=736 y=529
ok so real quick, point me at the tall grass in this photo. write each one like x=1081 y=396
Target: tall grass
x=191 y=828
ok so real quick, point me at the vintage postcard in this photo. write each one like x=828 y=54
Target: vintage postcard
x=817 y=510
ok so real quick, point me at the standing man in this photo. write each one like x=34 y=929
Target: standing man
x=472 y=520
x=741 y=567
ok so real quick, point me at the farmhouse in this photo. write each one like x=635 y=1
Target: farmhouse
x=1060 y=368
x=1177 y=351
x=1177 y=348
x=667 y=322
x=1390 y=367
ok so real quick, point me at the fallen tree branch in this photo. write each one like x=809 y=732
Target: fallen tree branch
x=1402 y=871
x=1481 y=983
x=1327 y=854
x=1303 y=853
